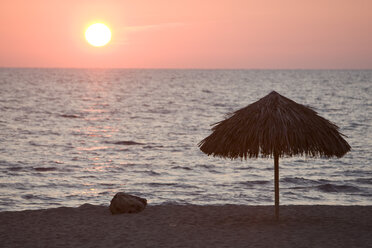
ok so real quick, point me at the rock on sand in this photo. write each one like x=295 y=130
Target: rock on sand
x=125 y=203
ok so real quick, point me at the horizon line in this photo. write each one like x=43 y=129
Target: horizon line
x=188 y=68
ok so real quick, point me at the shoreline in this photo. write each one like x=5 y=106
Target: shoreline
x=189 y=226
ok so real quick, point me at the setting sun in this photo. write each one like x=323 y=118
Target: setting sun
x=98 y=34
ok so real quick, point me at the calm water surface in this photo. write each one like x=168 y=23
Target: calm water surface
x=71 y=136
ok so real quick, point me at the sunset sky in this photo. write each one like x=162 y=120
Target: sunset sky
x=252 y=34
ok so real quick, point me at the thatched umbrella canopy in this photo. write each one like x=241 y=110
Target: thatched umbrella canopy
x=275 y=126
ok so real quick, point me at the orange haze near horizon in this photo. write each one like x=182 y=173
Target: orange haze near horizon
x=251 y=34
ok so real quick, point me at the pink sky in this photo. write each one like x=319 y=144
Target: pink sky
x=252 y=34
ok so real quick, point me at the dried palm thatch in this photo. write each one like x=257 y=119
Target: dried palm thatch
x=275 y=126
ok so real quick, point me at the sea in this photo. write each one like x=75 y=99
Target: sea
x=75 y=136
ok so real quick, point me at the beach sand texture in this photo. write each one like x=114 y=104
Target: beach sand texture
x=189 y=226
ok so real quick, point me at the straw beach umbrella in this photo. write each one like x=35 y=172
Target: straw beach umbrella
x=274 y=126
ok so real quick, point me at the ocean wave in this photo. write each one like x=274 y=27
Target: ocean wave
x=44 y=169
x=219 y=105
x=70 y=116
x=18 y=186
x=142 y=117
x=124 y=143
x=108 y=185
x=148 y=172
x=253 y=183
x=153 y=146
x=160 y=111
x=181 y=168
x=333 y=188
x=162 y=184
x=364 y=180
x=171 y=185
x=16 y=168
x=206 y=166
x=36 y=197
x=301 y=180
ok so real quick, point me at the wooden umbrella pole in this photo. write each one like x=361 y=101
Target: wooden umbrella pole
x=276 y=179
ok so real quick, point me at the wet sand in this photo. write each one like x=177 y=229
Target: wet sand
x=189 y=226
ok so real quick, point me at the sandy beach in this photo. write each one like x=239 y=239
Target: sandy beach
x=189 y=226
